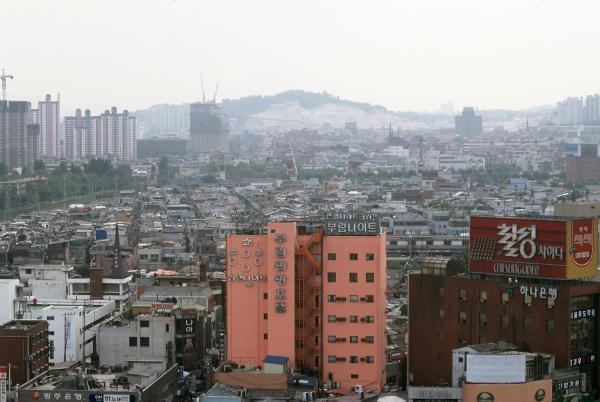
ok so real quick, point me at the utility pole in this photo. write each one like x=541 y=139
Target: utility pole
x=83 y=340
x=4 y=77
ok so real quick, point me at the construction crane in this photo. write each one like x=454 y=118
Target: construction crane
x=215 y=97
x=4 y=77
x=202 y=84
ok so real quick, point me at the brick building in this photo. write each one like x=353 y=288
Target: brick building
x=582 y=169
x=24 y=346
x=516 y=292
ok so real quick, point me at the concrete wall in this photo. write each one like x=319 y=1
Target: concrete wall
x=113 y=341
x=8 y=295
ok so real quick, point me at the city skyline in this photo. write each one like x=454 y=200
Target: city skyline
x=402 y=56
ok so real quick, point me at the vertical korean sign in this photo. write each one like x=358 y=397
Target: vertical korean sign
x=582 y=243
x=3 y=383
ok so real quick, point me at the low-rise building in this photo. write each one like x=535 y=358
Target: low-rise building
x=25 y=349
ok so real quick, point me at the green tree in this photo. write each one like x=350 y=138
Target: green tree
x=39 y=167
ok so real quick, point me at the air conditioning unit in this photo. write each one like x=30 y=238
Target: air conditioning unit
x=358 y=388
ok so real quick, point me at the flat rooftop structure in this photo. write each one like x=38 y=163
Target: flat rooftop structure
x=19 y=325
x=91 y=382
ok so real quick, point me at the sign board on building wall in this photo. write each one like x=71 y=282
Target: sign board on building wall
x=496 y=369
x=540 y=248
x=352 y=224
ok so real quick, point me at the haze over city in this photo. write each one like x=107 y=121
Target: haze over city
x=404 y=55
x=316 y=201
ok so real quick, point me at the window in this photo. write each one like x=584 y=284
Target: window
x=354 y=319
x=482 y=339
x=144 y=341
x=370 y=256
x=50 y=318
x=442 y=313
x=331 y=339
x=331 y=359
x=370 y=319
x=50 y=332
x=331 y=256
x=28 y=271
x=265 y=336
x=370 y=359
x=482 y=319
x=330 y=277
x=442 y=291
x=353 y=298
x=504 y=321
x=354 y=339
x=166 y=327
x=353 y=359
x=504 y=299
x=462 y=294
x=369 y=339
x=370 y=277
x=145 y=324
x=265 y=316
x=132 y=341
x=526 y=323
x=370 y=299
x=331 y=318
x=265 y=296
x=331 y=298
x=353 y=257
x=354 y=376
x=483 y=296
x=550 y=326
x=527 y=300
x=462 y=317
x=353 y=277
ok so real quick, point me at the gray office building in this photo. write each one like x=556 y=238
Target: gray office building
x=468 y=123
x=209 y=128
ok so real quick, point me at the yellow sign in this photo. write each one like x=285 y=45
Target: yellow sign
x=582 y=248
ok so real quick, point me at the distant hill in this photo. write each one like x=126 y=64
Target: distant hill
x=300 y=109
x=250 y=105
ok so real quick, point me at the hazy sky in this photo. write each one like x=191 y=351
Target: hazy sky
x=405 y=55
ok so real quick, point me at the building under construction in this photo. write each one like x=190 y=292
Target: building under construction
x=209 y=128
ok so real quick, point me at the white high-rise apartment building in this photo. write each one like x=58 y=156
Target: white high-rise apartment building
x=592 y=108
x=570 y=111
x=109 y=135
x=47 y=115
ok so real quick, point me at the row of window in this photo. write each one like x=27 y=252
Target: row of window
x=353 y=319
x=144 y=341
x=462 y=317
x=351 y=256
x=352 y=339
x=353 y=359
x=352 y=298
x=352 y=277
x=483 y=297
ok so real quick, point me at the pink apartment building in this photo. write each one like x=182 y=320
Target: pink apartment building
x=313 y=294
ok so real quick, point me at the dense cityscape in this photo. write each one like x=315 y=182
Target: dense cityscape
x=297 y=247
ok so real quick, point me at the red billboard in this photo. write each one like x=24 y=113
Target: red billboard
x=539 y=248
